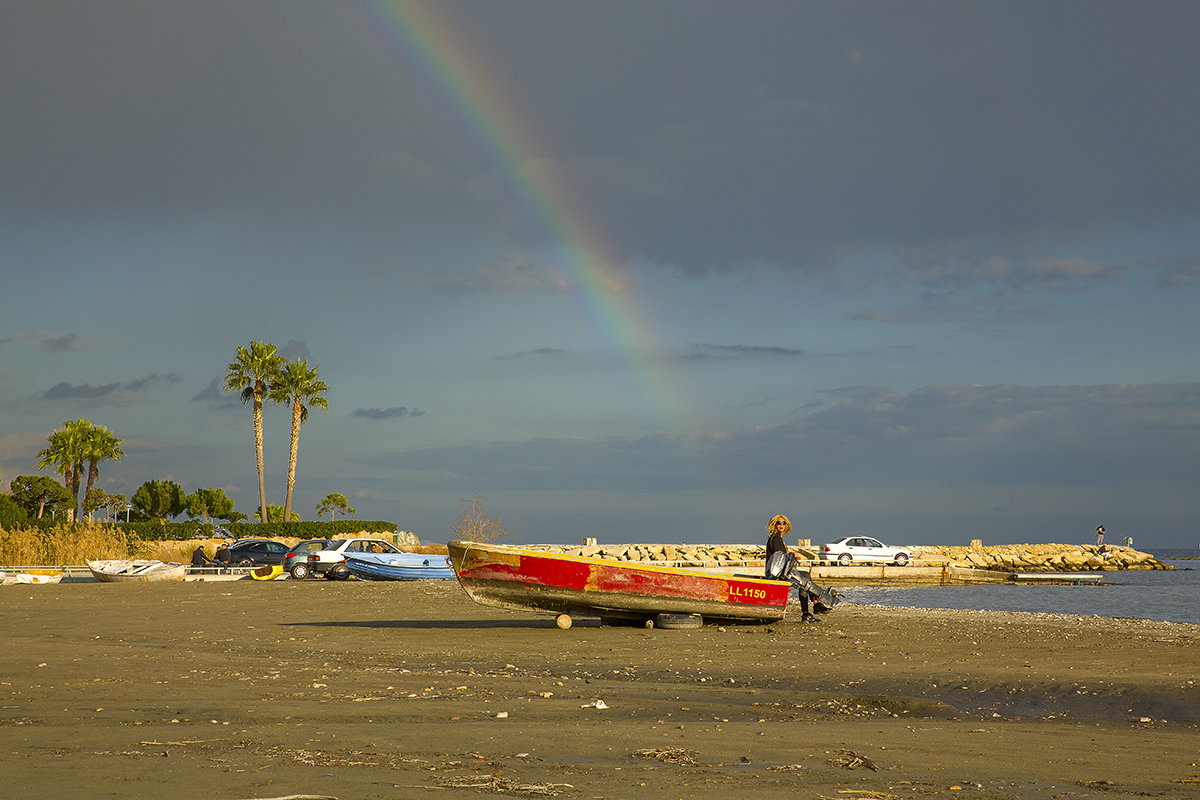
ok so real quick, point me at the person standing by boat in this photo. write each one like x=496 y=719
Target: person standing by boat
x=777 y=528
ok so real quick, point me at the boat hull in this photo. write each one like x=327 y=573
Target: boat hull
x=399 y=566
x=136 y=571
x=533 y=580
x=31 y=576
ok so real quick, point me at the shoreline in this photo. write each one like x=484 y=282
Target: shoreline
x=366 y=690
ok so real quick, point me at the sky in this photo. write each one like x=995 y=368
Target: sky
x=639 y=271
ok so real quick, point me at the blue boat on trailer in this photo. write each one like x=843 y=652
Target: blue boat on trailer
x=399 y=566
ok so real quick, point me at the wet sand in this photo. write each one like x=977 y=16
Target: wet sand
x=256 y=689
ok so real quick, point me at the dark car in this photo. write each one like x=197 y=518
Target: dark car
x=296 y=560
x=256 y=552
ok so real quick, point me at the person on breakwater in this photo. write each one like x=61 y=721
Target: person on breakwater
x=777 y=528
x=1099 y=536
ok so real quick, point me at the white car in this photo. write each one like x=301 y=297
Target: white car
x=331 y=561
x=865 y=550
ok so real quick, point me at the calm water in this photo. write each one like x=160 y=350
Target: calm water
x=1166 y=595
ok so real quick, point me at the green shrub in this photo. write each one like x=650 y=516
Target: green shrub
x=12 y=516
x=153 y=530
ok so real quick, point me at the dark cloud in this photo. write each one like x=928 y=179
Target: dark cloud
x=541 y=351
x=68 y=342
x=84 y=391
x=154 y=377
x=216 y=397
x=387 y=413
x=961 y=436
x=749 y=350
x=801 y=135
x=115 y=393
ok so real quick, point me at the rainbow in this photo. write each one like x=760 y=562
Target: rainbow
x=474 y=95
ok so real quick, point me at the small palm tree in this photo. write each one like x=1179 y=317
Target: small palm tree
x=98 y=445
x=299 y=385
x=252 y=374
x=64 y=452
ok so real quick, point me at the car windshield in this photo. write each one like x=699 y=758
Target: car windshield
x=371 y=546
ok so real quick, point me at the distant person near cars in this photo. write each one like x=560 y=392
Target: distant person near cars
x=222 y=554
x=777 y=528
x=200 y=558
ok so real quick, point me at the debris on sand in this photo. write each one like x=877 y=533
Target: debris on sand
x=669 y=755
x=851 y=760
x=499 y=783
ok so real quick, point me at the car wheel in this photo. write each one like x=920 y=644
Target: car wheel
x=901 y=560
x=245 y=562
x=339 y=573
x=300 y=571
x=844 y=559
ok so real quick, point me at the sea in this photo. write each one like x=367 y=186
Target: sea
x=1162 y=595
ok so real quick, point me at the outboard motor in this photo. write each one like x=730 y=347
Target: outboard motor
x=781 y=566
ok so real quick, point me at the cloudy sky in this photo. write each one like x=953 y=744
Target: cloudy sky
x=643 y=271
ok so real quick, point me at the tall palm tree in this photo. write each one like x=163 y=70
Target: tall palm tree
x=98 y=445
x=252 y=374
x=299 y=385
x=64 y=452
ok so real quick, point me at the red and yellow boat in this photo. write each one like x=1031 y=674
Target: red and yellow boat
x=525 y=579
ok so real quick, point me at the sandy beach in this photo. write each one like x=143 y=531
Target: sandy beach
x=257 y=689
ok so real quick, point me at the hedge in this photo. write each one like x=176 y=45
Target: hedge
x=153 y=530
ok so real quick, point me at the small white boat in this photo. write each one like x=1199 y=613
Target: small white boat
x=31 y=576
x=136 y=570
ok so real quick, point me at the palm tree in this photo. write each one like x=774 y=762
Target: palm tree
x=252 y=373
x=98 y=445
x=65 y=454
x=299 y=385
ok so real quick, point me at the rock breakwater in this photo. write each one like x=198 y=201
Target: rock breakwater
x=1041 y=557
x=1008 y=557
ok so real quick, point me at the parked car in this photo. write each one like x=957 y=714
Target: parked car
x=256 y=552
x=863 y=549
x=330 y=562
x=295 y=562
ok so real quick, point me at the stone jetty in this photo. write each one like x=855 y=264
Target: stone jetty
x=1007 y=558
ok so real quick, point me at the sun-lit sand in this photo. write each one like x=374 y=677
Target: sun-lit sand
x=383 y=690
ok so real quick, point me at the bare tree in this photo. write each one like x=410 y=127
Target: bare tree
x=474 y=525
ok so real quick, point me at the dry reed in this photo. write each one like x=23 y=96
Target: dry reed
x=65 y=545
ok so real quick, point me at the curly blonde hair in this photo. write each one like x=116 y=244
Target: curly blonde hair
x=787 y=524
